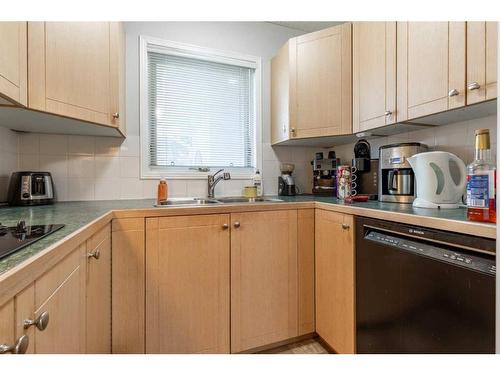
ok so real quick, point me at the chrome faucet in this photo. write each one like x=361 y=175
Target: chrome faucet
x=212 y=181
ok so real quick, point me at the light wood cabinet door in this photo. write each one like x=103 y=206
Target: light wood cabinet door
x=263 y=278
x=280 y=94
x=128 y=285
x=7 y=323
x=305 y=264
x=13 y=62
x=321 y=83
x=98 y=288
x=61 y=293
x=335 y=316
x=74 y=70
x=187 y=284
x=481 y=61
x=373 y=75
x=431 y=68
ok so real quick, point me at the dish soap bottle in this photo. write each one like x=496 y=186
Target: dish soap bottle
x=162 y=191
x=481 y=181
x=257 y=182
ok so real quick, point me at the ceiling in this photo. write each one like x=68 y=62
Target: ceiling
x=307 y=26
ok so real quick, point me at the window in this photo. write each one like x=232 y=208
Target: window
x=199 y=111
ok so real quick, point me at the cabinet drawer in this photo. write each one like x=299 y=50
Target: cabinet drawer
x=48 y=283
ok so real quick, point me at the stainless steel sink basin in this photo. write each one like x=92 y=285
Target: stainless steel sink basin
x=172 y=202
x=187 y=202
x=248 y=200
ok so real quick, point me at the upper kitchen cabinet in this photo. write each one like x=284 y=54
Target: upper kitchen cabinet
x=431 y=68
x=311 y=86
x=13 y=63
x=481 y=61
x=75 y=70
x=373 y=75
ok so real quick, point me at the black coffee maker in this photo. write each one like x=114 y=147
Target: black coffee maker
x=324 y=174
x=365 y=169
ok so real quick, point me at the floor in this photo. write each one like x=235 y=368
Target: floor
x=309 y=346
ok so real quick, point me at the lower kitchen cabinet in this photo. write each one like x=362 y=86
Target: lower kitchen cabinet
x=68 y=308
x=187 y=284
x=51 y=311
x=335 y=294
x=128 y=285
x=7 y=327
x=264 y=300
x=305 y=268
x=98 y=292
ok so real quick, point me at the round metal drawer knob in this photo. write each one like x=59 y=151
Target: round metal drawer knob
x=41 y=322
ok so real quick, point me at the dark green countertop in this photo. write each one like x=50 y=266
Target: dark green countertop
x=76 y=215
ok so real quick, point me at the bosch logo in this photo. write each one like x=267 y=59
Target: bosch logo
x=416 y=231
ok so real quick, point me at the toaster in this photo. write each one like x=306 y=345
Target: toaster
x=30 y=189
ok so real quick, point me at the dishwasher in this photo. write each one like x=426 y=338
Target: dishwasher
x=421 y=290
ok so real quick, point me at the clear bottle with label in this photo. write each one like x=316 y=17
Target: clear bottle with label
x=257 y=182
x=481 y=181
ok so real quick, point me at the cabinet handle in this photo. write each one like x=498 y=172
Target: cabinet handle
x=345 y=226
x=292 y=130
x=19 y=347
x=473 y=86
x=95 y=254
x=237 y=224
x=453 y=92
x=116 y=115
x=225 y=226
x=41 y=322
x=388 y=113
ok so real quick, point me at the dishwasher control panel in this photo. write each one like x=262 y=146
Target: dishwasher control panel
x=449 y=256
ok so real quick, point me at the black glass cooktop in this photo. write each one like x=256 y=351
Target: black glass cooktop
x=15 y=238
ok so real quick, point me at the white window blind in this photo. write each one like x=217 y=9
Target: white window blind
x=201 y=113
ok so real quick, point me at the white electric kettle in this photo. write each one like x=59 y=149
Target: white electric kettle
x=435 y=186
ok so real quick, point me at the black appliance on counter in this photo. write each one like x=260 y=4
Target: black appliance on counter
x=421 y=290
x=365 y=170
x=324 y=174
x=28 y=188
x=15 y=238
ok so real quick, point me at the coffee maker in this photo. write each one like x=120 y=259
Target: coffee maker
x=286 y=183
x=324 y=174
x=397 y=179
x=366 y=170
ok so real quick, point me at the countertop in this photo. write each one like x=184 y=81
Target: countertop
x=76 y=215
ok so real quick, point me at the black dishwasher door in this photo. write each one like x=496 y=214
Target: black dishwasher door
x=413 y=296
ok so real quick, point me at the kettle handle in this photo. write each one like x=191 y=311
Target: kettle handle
x=463 y=171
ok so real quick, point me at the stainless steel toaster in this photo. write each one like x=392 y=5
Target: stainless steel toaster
x=28 y=188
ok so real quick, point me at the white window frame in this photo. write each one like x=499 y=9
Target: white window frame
x=147 y=43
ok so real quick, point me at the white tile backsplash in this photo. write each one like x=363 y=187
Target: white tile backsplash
x=81 y=145
x=9 y=146
x=52 y=144
x=457 y=138
x=98 y=168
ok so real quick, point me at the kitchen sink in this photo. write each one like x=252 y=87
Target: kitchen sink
x=248 y=200
x=187 y=202
x=204 y=201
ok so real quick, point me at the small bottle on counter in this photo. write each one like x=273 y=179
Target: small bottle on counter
x=481 y=181
x=257 y=182
x=162 y=191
